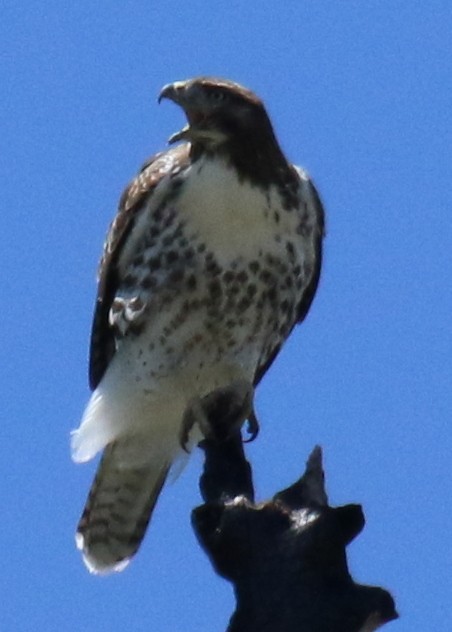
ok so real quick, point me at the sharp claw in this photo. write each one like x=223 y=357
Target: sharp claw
x=183 y=442
x=252 y=427
x=220 y=414
x=188 y=422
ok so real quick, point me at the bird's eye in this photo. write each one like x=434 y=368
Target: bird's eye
x=217 y=96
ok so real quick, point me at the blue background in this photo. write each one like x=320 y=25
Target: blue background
x=360 y=94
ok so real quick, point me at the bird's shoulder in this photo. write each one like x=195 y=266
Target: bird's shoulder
x=152 y=172
x=310 y=200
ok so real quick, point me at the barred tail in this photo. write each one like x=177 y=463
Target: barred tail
x=118 y=510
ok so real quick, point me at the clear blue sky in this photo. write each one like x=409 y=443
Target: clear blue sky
x=360 y=94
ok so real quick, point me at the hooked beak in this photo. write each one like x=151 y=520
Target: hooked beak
x=198 y=128
x=177 y=93
x=173 y=91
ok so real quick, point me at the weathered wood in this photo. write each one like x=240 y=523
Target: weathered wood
x=286 y=557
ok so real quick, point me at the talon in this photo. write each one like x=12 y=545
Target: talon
x=226 y=408
x=195 y=415
x=220 y=414
x=252 y=427
x=188 y=421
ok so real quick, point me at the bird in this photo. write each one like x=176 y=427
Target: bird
x=212 y=259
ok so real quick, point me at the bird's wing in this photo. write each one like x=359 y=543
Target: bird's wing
x=132 y=202
x=311 y=200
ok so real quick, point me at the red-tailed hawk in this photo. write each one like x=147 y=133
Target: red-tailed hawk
x=212 y=259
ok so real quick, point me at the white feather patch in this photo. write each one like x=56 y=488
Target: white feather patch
x=93 y=433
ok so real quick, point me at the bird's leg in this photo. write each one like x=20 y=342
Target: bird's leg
x=194 y=414
x=226 y=408
x=221 y=413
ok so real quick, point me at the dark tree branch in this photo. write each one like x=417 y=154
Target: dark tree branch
x=286 y=557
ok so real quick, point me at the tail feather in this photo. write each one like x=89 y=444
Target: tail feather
x=118 y=510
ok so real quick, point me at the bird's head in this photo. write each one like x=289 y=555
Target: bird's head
x=218 y=111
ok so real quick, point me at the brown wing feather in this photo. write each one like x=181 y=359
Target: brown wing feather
x=309 y=293
x=308 y=296
x=102 y=346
